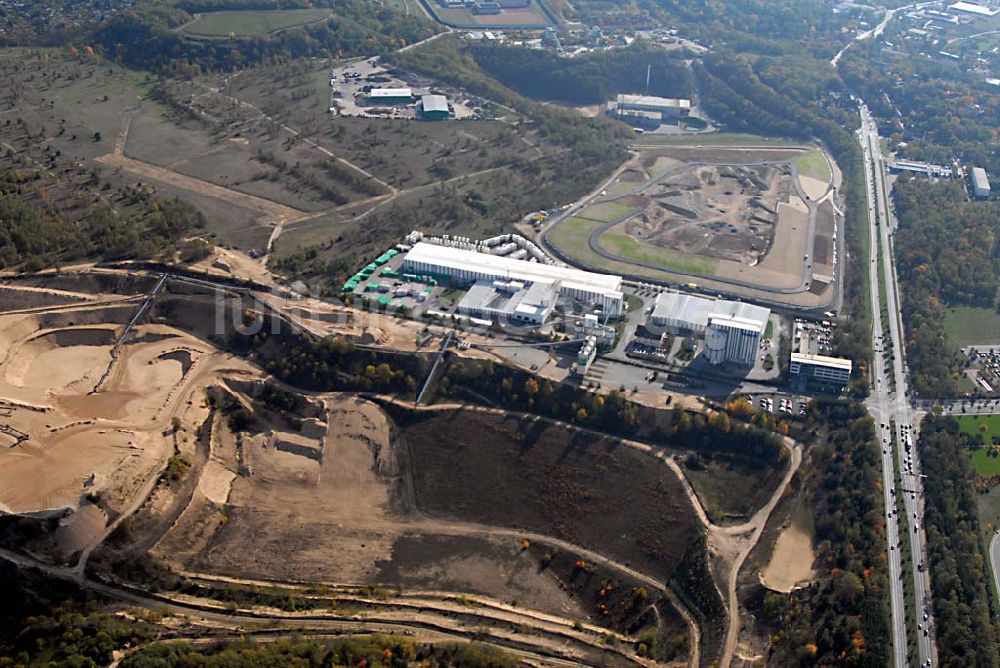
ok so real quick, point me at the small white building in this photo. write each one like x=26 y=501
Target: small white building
x=980 y=183
x=390 y=95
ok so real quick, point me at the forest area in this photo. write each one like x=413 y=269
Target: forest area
x=945 y=256
x=965 y=623
x=145 y=37
x=948 y=110
x=40 y=232
x=843 y=618
x=592 y=78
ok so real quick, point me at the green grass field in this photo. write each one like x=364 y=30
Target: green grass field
x=713 y=139
x=570 y=236
x=968 y=325
x=813 y=164
x=252 y=22
x=982 y=462
x=606 y=211
x=626 y=246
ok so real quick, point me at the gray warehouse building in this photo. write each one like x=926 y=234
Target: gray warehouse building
x=732 y=330
x=980 y=183
x=511 y=301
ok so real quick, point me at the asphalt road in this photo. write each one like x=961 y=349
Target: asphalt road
x=890 y=406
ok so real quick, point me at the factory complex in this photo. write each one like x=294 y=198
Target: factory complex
x=508 y=286
x=467 y=266
x=648 y=110
x=732 y=330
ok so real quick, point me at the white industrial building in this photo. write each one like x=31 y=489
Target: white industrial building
x=510 y=301
x=390 y=95
x=973 y=8
x=732 y=330
x=464 y=267
x=827 y=370
x=980 y=183
x=666 y=106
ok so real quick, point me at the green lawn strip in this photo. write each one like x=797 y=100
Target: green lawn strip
x=571 y=235
x=627 y=247
x=253 y=22
x=714 y=139
x=970 y=325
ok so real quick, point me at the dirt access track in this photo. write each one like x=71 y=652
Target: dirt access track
x=745 y=221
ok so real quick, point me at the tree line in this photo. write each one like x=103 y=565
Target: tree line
x=145 y=37
x=843 y=617
x=964 y=622
x=592 y=78
x=945 y=257
x=39 y=232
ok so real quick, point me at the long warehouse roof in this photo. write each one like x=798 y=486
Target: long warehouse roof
x=459 y=258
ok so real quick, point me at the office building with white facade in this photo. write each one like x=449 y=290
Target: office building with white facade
x=823 y=369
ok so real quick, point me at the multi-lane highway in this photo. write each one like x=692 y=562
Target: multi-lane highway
x=890 y=405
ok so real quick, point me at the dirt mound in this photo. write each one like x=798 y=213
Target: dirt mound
x=90 y=282
x=520 y=473
x=67 y=338
x=13 y=299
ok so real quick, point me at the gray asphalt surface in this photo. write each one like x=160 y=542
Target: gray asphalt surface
x=889 y=404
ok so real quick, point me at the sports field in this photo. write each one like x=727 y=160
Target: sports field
x=252 y=22
x=968 y=325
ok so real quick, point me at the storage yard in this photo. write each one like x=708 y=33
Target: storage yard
x=366 y=89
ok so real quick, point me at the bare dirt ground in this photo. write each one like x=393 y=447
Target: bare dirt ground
x=747 y=220
x=727 y=213
x=349 y=514
x=791 y=563
x=814 y=188
x=82 y=447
